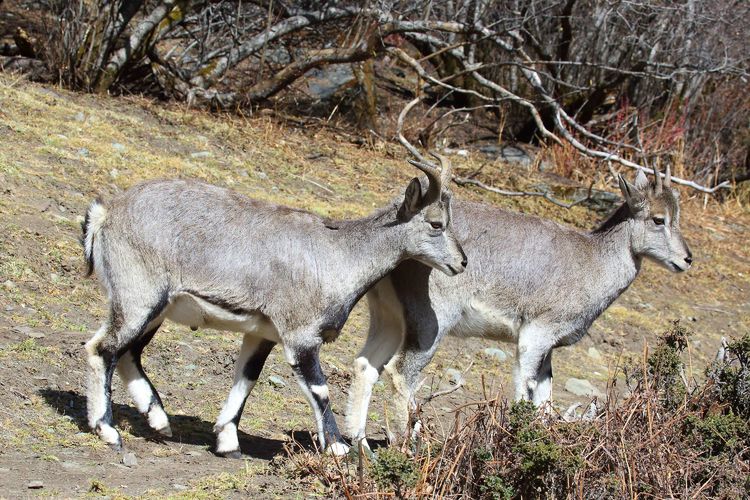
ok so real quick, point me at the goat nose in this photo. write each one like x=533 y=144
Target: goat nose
x=689 y=260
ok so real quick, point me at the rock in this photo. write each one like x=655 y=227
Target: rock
x=35 y=335
x=323 y=83
x=129 y=459
x=114 y=173
x=191 y=367
x=35 y=485
x=594 y=354
x=179 y=487
x=83 y=152
x=276 y=381
x=201 y=154
x=71 y=465
x=9 y=285
x=495 y=353
x=193 y=453
x=514 y=154
x=582 y=387
x=454 y=376
x=4 y=470
x=120 y=148
x=80 y=116
x=261 y=175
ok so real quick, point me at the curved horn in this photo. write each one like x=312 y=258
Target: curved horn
x=433 y=176
x=668 y=177
x=657 y=174
x=446 y=174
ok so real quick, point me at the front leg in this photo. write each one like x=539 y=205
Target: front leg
x=305 y=363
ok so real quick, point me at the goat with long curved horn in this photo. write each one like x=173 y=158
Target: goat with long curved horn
x=668 y=178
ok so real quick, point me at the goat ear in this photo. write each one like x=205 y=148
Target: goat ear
x=633 y=196
x=641 y=181
x=412 y=203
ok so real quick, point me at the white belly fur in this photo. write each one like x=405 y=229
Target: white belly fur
x=481 y=320
x=194 y=312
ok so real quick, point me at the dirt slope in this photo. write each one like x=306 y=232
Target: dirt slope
x=59 y=150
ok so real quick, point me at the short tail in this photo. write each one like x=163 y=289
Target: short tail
x=92 y=224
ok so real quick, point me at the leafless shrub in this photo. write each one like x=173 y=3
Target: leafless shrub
x=666 y=437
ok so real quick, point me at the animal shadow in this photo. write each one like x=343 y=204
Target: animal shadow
x=186 y=429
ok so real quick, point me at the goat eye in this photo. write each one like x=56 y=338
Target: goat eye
x=436 y=225
x=659 y=221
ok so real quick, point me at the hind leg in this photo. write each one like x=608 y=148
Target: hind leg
x=114 y=339
x=143 y=392
x=102 y=358
x=247 y=368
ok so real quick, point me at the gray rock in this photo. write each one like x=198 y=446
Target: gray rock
x=9 y=285
x=276 y=381
x=323 y=83
x=83 y=152
x=80 y=116
x=71 y=465
x=4 y=470
x=582 y=387
x=129 y=459
x=114 y=173
x=594 y=354
x=201 y=154
x=495 y=353
x=120 y=148
x=193 y=453
x=35 y=335
x=179 y=487
x=513 y=154
x=261 y=175
x=454 y=376
x=35 y=485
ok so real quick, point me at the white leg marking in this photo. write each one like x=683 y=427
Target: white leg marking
x=315 y=409
x=338 y=449
x=240 y=390
x=108 y=434
x=138 y=387
x=226 y=440
x=360 y=392
x=95 y=392
x=320 y=390
x=159 y=421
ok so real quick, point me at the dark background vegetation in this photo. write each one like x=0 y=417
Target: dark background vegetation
x=639 y=82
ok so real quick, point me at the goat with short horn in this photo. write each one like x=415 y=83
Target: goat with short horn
x=531 y=282
x=208 y=257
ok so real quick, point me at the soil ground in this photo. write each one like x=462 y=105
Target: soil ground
x=59 y=150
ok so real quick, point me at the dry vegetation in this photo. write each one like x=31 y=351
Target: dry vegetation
x=660 y=436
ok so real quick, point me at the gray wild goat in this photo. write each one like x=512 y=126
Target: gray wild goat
x=531 y=282
x=208 y=257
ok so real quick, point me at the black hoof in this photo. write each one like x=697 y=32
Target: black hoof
x=235 y=454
